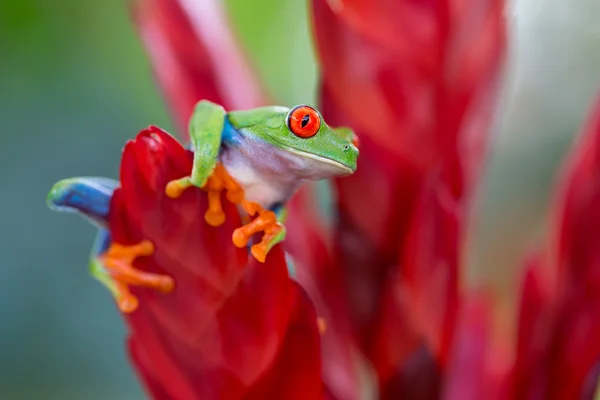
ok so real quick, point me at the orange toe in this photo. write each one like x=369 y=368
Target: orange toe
x=214 y=215
x=127 y=304
x=240 y=238
x=175 y=189
x=214 y=218
x=259 y=251
x=118 y=261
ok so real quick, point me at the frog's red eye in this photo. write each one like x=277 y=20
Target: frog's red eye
x=304 y=121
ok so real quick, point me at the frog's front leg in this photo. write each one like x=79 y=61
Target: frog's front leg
x=206 y=128
x=267 y=221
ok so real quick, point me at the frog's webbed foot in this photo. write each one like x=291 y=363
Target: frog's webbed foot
x=218 y=181
x=117 y=261
x=266 y=221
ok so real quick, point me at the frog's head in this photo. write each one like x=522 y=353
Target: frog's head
x=302 y=132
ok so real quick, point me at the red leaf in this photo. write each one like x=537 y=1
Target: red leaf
x=417 y=81
x=536 y=323
x=468 y=375
x=195 y=56
x=221 y=330
x=558 y=347
x=395 y=345
x=296 y=374
x=407 y=73
x=431 y=265
x=323 y=279
x=575 y=347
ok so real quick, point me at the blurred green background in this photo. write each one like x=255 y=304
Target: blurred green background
x=74 y=85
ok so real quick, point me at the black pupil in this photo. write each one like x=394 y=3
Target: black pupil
x=305 y=120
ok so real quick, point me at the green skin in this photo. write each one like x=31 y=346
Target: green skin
x=263 y=155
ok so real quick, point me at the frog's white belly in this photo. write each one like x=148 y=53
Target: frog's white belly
x=268 y=176
x=260 y=188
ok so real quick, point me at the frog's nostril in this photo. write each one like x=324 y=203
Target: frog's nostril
x=346 y=147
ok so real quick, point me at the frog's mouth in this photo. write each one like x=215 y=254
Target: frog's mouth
x=344 y=169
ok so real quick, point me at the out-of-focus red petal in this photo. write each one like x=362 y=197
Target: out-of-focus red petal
x=419 y=377
x=221 y=331
x=394 y=343
x=430 y=265
x=195 y=56
x=468 y=376
x=323 y=278
x=377 y=220
x=575 y=346
x=536 y=322
x=370 y=226
x=417 y=81
x=407 y=73
x=558 y=347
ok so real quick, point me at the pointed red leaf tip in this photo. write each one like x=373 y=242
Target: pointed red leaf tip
x=225 y=326
x=575 y=347
x=195 y=56
x=535 y=324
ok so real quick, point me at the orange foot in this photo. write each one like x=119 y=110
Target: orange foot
x=266 y=221
x=118 y=260
x=218 y=181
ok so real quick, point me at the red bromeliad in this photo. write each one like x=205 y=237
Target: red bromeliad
x=417 y=81
x=558 y=353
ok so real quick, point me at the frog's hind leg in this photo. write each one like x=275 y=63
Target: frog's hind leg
x=110 y=263
x=97 y=270
x=270 y=222
x=117 y=261
x=110 y=274
x=87 y=196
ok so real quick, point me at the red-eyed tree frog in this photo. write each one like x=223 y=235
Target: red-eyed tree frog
x=259 y=157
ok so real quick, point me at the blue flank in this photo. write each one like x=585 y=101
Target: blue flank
x=88 y=196
x=230 y=136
